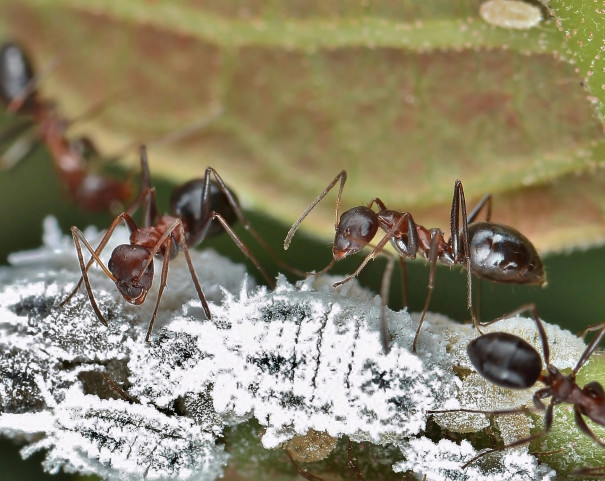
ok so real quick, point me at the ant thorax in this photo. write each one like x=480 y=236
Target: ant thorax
x=150 y=236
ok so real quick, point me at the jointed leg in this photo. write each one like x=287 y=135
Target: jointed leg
x=353 y=464
x=437 y=236
x=531 y=308
x=584 y=427
x=302 y=472
x=240 y=215
x=459 y=211
x=165 y=263
x=77 y=236
x=384 y=294
x=377 y=249
x=486 y=201
x=548 y=417
x=404 y=281
x=97 y=252
x=242 y=246
x=194 y=278
x=147 y=195
x=343 y=178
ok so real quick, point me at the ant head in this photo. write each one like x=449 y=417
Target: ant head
x=356 y=229
x=126 y=264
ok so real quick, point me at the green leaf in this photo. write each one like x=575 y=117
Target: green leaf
x=582 y=25
x=406 y=97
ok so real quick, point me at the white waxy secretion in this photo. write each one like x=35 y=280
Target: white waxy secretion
x=513 y=14
x=301 y=358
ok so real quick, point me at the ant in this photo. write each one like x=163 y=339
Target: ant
x=489 y=250
x=18 y=92
x=194 y=205
x=508 y=361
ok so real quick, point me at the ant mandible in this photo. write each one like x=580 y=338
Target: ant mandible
x=489 y=250
x=194 y=205
x=508 y=361
x=18 y=92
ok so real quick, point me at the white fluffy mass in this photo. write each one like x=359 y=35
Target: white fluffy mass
x=302 y=357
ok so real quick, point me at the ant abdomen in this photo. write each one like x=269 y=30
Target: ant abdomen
x=126 y=264
x=186 y=204
x=16 y=74
x=505 y=360
x=356 y=229
x=502 y=254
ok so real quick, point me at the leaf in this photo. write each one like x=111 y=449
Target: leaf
x=583 y=28
x=407 y=97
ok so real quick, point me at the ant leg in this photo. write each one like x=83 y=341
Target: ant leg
x=531 y=308
x=129 y=222
x=31 y=86
x=118 y=390
x=433 y=260
x=238 y=242
x=353 y=464
x=384 y=294
x=23 y=146
x=595 y=471
x=459 y=209
x=194 y=278
x=150 y=208
x=96 y=109
x=16 y=129
x=548 y=417
x=378 y=202
x=486 y=201
x=343 y=178
x=404 y=281
x=77 y=236
x=165 y=263
x=169 y=233
x=584 y=427
x=302 y=472
x=377 y=249
x=594 y=327
x=589 y=350
x=240 y=215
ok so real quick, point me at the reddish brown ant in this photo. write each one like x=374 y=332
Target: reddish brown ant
x=491 y=251
x=194 y=206
x=508 y=361
x=18 y=92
